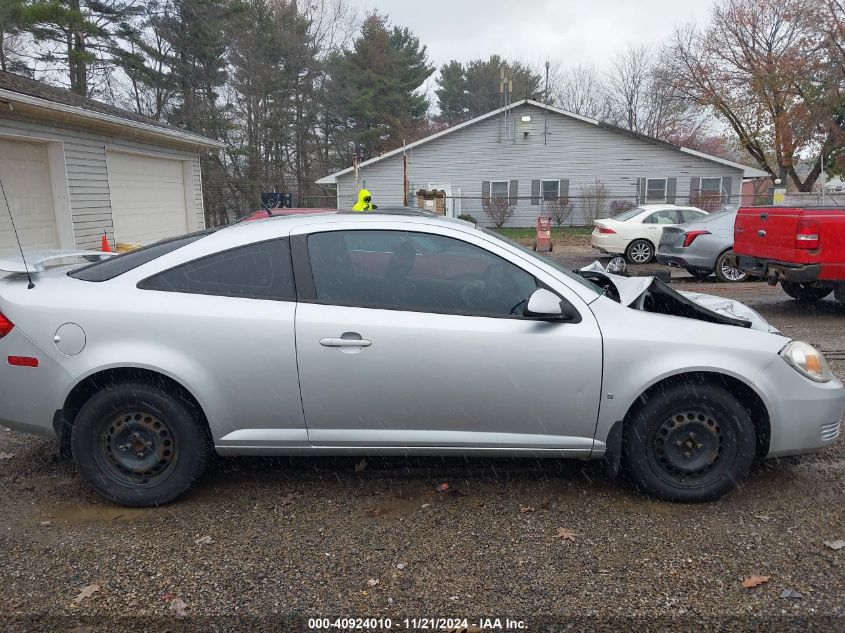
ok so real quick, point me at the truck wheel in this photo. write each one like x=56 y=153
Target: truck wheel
x=139 y=445
x=812 y=291
x=727 y=270
x=690 y=442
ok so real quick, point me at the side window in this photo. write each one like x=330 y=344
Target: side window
x=421 y=272
x=257 y=271
x=664 y=216
x=688 y=215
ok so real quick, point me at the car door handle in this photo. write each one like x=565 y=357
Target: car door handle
x=345 y=342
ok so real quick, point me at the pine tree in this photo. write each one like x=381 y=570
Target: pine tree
x=470 y=90
x=81 y=36
x=374 y=87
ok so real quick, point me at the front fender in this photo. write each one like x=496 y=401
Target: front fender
x=642 y=349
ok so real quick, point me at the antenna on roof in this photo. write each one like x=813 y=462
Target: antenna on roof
x=17 y=237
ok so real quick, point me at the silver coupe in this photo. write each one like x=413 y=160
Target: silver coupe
x=393 y=334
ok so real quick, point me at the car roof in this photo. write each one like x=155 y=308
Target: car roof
x=278 y=225
x=660 y=207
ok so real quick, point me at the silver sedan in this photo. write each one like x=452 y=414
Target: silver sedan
x=392 y=334
x=703 y=247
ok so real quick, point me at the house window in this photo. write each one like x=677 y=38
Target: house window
x=711 y=187
x=499 y=189
x=551 y=189
x=655 y=190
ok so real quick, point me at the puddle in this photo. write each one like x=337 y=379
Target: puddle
x=97 y=513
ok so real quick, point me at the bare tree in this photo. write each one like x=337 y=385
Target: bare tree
x=594 y=200
x=498 y=210
x=578 y=89
x=766 y=68
x=558 y=209
x=643 y=98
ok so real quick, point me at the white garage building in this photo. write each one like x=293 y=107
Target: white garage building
x=74 y=168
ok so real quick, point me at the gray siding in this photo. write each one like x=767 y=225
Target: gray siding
x=87 y=172
x=576 y=151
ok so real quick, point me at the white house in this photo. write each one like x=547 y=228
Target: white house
x=529 y=153
x=73 y=168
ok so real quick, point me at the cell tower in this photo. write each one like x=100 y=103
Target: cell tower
x=505 y=94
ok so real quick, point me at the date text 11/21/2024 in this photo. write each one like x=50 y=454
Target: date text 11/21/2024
x=416 y=624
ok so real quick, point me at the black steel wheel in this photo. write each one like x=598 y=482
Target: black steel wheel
x=140 y=445
x=691 y=442
x=137 y=448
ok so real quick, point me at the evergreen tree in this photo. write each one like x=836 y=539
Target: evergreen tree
x=373 y=88
x=80 y=35
x=452 y=93
x=11 y=28
x=467 y=91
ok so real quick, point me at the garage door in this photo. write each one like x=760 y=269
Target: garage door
x=147 y=197
x=25 y=172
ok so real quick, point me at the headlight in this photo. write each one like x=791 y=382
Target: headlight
x=807 y=360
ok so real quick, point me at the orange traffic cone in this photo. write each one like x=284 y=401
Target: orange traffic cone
x=104 y=244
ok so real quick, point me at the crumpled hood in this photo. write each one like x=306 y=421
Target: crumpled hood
x=635 y=292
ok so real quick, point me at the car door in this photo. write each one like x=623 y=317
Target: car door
x=412 y=339
x=655 y=223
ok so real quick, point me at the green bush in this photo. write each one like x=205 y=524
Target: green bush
x=468 y=218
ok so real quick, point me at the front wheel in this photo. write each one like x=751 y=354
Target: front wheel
x=811 y=291
x=139 y=445
x=639 y=252
x=690 y=442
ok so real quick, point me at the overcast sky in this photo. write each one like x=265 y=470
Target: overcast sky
x=573 y=31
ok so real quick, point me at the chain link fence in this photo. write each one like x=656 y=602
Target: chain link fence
x=523 y=211
x=572 y=211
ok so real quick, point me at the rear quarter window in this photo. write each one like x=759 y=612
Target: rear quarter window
x=254 y=271
x=119 y=264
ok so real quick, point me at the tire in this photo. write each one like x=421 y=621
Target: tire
x=639 y=252
x=700 y=275
x=140 y=445
x=726 y=269
x=812 y=291
x=690 y=443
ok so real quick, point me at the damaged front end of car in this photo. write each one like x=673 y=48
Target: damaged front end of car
x=649 y=294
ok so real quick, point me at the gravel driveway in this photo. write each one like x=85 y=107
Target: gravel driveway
x=265 y=544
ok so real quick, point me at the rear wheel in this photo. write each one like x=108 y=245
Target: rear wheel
x=639 y=252
x=812 y=291
x=727 y=270
x=139 y=445
x=691 y=442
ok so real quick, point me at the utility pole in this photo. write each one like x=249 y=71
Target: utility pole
x=546 y=107
x=404 y=175
x=355 y=171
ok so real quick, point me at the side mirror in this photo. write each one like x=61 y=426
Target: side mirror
x=544 y=304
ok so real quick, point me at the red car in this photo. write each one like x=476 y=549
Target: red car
x=801 y=247
x=269 y=213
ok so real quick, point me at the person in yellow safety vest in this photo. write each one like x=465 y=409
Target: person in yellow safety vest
x=364 y=202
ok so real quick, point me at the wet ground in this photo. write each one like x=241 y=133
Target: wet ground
x=267 y=544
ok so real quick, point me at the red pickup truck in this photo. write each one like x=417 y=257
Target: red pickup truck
x=801 y=247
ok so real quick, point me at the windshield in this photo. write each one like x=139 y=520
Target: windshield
x=548 y=261
x=627 y=215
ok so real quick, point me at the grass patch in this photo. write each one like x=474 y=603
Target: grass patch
x=517 y=233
